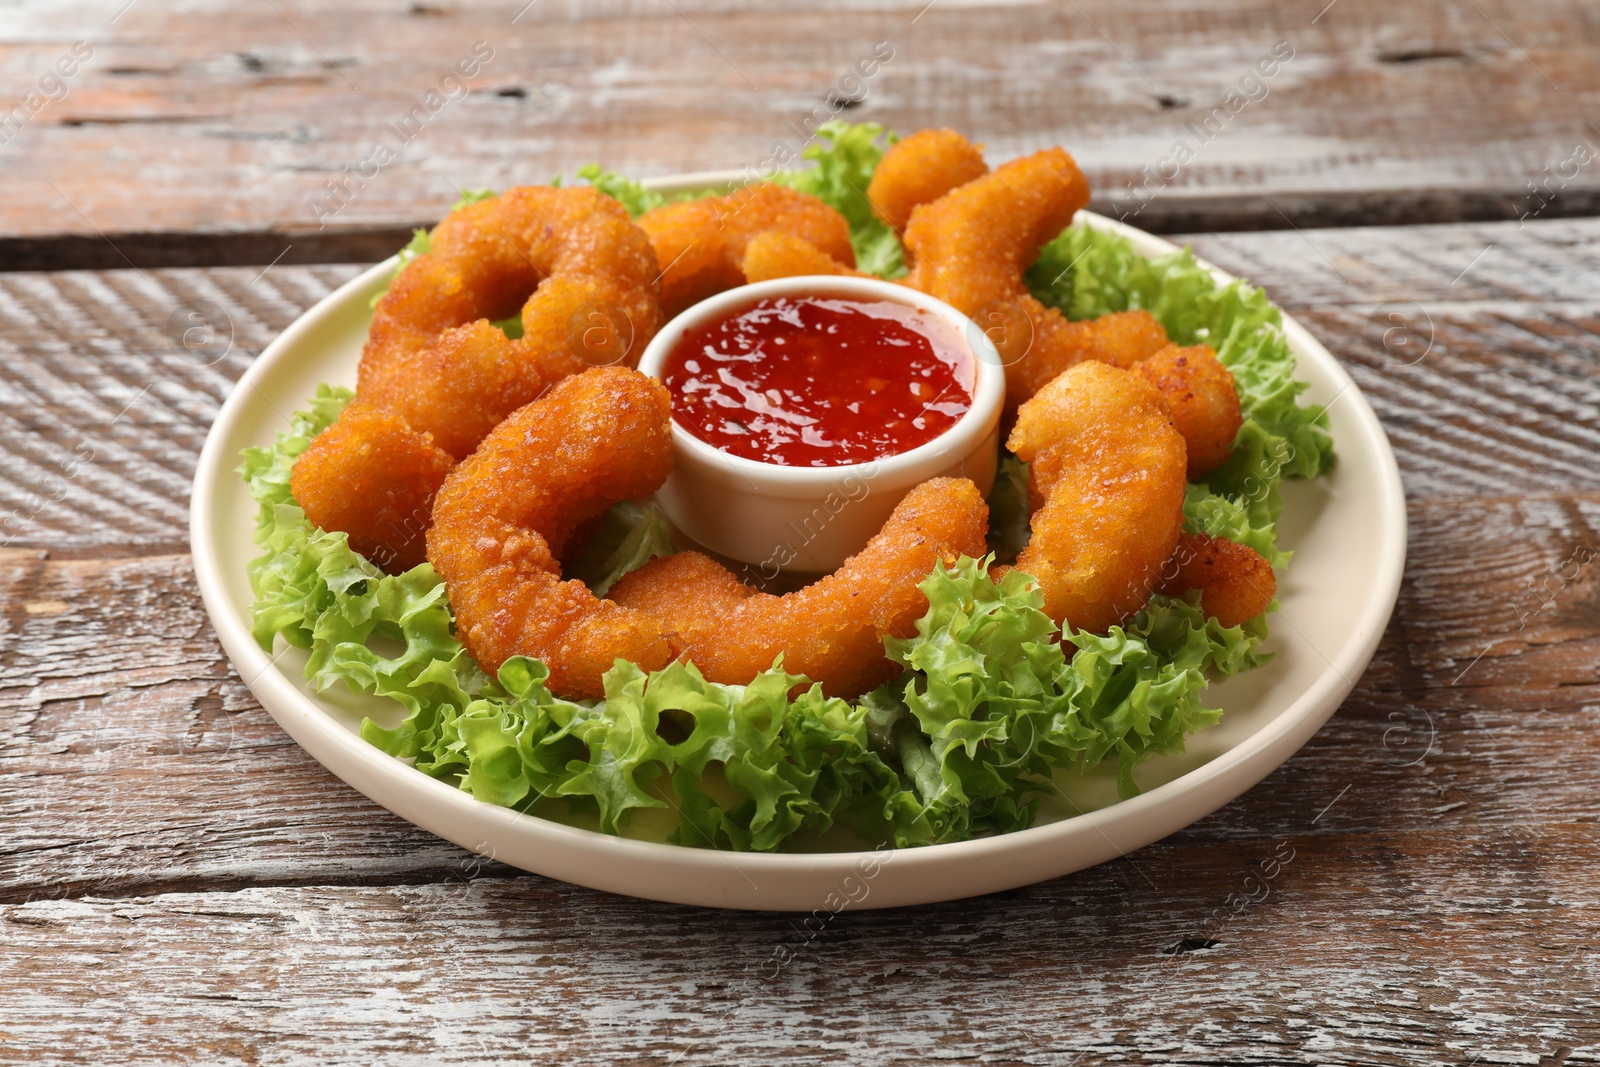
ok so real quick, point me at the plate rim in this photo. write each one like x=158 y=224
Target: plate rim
x=434 y=804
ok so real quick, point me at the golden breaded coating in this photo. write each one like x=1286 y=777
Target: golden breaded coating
x=918 y=170
x=383 y=507
x=434 y=360
x=700 y=244
x=972 y=245
x=783 y=255
x=487 y=258
x=1120 y=339
x=831 y=631
x=691 y=594
x=1107 y=467
x=472 y=376
x=691 y=261
x=1200 y=394
x=506 y=512
x=1236 y=582
x=976 y=240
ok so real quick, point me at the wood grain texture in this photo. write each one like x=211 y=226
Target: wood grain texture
x=103 y=407
x=121 y=761
x=200 y=134
x=103 y=410
x=1447 y=955
x=180 y=882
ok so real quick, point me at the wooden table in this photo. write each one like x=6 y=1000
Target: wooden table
x=180 y=882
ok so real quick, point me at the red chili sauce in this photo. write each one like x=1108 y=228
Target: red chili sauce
x=815 y=381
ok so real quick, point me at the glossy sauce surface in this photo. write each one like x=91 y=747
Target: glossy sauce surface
x=819 y=381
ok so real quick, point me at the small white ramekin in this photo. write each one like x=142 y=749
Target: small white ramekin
x=810 y=519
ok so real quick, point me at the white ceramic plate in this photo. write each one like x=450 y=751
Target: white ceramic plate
x=1347 y=531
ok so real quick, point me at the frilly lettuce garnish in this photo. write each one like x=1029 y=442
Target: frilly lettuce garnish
x=991 y=704
x=842 y=158
x=1087 y=273
x=965 y=742
x=633 y=196
x=839 y=173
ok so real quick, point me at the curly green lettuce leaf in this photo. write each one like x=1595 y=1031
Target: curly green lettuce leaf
x=750 y=765
x=1209 y=512
x=992 y=704
x=999 y=705
x=839 y=173
x=626 y=191
x=318 y=593
x=631 y=535
x=1087 y=273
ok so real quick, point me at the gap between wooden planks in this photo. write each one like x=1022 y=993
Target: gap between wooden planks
x=136 y=761
x=1364 y=953
x=1504 y=402
x=107 y=655
x=177 y=878
x=202 y=136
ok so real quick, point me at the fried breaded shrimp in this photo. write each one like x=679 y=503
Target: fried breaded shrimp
x=471 y=377
x=506 y=512
x=1235 y=581
x=831 y=631
x=1204 y=402
x=553 y=253
x=1120 y=339
x=382 y=506
x=971 y=247
x=700 y=244
x=918 y=170
x=1107 y=470
x=783 y=255
x=434 y=361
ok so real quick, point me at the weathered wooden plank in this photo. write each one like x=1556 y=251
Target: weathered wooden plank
x=1490 y=265
x=1424 y=865
x=1452 y=947
x=104 y=407
x=202 y=135
x=132 y=759
x=103 y=411
x=115 y=694
x=1504 y=404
